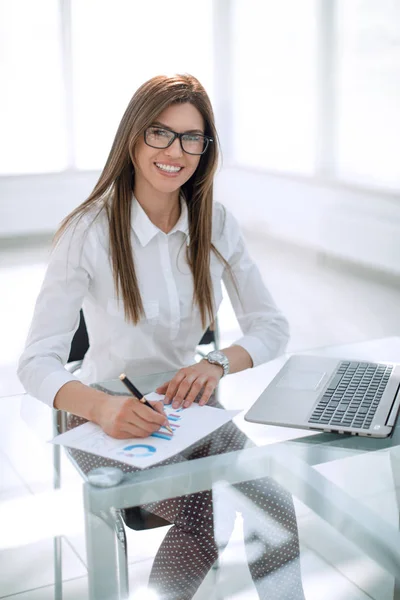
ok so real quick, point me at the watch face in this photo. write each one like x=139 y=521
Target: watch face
x=219 y=358
x=217 y=355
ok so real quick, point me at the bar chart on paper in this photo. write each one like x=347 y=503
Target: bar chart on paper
x=188 y=425
x=173 y=418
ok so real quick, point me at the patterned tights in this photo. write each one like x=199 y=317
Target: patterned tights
x=203 y=522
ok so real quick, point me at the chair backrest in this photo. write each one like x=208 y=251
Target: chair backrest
x=80 y=341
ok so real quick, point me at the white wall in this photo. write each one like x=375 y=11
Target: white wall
x=35 y=204
x=364 y=227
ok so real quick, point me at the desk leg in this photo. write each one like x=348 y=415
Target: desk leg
x=106 y=555
x=57 y=541
x=395 y=465
x=57 y=548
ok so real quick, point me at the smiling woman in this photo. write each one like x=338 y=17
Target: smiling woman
x=145 y=255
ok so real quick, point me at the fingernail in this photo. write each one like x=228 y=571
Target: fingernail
x=186 y=404
x=167 y=400
x=175 y=405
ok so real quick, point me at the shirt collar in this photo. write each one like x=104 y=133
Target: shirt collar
x=146 y=230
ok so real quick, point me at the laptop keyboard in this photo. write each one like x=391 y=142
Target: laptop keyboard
x=353 y=395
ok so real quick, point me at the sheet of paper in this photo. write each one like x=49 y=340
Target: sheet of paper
x=189 y=425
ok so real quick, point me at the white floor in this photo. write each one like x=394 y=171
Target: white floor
x=325 y=305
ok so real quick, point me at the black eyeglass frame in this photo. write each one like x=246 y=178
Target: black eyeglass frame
x=208 y=140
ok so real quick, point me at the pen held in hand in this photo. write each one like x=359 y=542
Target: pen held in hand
x=133 y=389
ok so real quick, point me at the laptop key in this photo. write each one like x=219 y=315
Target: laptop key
x=335 y=382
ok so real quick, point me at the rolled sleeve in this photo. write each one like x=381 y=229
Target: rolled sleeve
x=52 y=384
x=262 y=350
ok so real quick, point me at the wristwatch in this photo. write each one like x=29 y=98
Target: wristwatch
x=219 y=358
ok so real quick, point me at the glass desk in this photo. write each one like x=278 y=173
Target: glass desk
x=352 y=496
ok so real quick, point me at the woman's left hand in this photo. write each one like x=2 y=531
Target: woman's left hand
x=186 y=385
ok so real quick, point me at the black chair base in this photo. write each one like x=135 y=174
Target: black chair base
x=138 y=518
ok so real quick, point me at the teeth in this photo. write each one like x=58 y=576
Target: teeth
x=168 y=168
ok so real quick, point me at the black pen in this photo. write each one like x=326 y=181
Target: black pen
x=133 y=389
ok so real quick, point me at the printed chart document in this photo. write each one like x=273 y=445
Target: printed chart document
x=188 y=424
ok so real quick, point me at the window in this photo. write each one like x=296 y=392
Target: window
x=309 y=93
x=368 y=86
x=274 y=84
x=31 y=103
x=115 y=46
x=316 y=88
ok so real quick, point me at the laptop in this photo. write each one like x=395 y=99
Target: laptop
x=328 y=394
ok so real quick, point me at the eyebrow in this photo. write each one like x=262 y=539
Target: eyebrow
x=169 y=129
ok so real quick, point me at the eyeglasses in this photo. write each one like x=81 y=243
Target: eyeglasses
x=191 y=143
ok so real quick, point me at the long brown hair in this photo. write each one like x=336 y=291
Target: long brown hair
x=113 y=192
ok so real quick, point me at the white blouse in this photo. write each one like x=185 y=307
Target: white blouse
x=80 y=275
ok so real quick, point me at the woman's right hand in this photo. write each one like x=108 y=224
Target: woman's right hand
x=124 y=417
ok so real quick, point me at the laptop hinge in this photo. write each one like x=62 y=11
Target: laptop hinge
x=390 y=421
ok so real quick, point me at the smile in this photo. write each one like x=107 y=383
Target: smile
x=168 y=168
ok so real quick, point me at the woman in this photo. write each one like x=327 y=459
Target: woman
x=145 y=255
